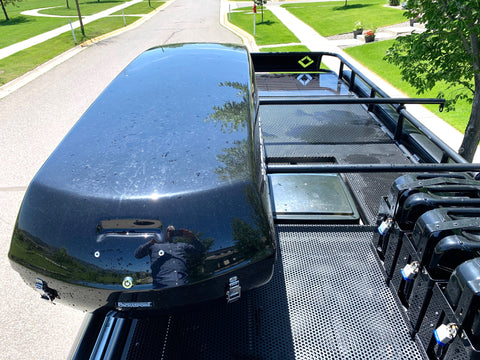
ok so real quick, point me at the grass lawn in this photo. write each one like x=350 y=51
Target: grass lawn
x=299 y=48
x=21 y=27
x=140 y=8
x=87 y=7
x=271 y=31
x=332 y=18
x=24 y=27
x=371 y=56
x=26 y=60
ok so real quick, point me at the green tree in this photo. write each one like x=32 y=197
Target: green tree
x=447 y=51
x=234 y=160
x=233 y=115
x=247 y=238
x=4 y=3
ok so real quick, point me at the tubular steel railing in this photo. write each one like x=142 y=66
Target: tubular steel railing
x=311 y=62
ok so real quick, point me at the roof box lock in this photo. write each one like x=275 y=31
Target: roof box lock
x=234 y=290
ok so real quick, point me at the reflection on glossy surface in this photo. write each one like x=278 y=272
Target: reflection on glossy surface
x=168 y=142
x=169 y=258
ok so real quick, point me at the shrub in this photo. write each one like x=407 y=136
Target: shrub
x=358 y=26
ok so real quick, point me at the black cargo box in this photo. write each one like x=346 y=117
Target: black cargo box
x=155 y=198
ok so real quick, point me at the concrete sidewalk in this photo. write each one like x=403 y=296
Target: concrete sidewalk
x=315 y=42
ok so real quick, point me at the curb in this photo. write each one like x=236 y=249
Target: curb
x=133 y=25
x=24 y=79
x=248 y=40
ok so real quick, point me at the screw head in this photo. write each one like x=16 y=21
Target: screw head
x=127 y=282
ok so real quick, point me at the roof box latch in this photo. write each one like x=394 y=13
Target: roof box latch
x=234 y=290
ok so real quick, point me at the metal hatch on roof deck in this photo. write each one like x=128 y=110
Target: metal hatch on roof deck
x=312 y=197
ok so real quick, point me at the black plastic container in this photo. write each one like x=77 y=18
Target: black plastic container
x=463 y=290
x=457 y=303
x=435 y=225
x=435 y=247
x=441 y=196
x=449 y=253
x=453 y=250
x=440 y=312
x=392 y=208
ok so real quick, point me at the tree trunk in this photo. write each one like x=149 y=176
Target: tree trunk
x=80 y=18
x=472 y=132
x=4 y=11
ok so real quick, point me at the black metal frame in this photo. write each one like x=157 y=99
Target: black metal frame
x=348 y=100
x=369 y=168
x=289 y=62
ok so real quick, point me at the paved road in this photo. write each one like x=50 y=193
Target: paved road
x=33 y=120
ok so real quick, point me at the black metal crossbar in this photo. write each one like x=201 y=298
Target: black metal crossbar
x=370 y=168
x=349 y=100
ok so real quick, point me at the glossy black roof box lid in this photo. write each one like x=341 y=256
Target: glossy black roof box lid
x=154 y=124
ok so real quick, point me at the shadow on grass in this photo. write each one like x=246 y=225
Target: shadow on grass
x=105 y=2
x=267 y=22
x=350 y=7
x=15 y=21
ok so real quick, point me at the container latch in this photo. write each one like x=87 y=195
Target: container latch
x=234 y=290
x=46 y=292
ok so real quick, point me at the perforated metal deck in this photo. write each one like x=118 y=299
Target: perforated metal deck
x=344 y=134
x=327 y=300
